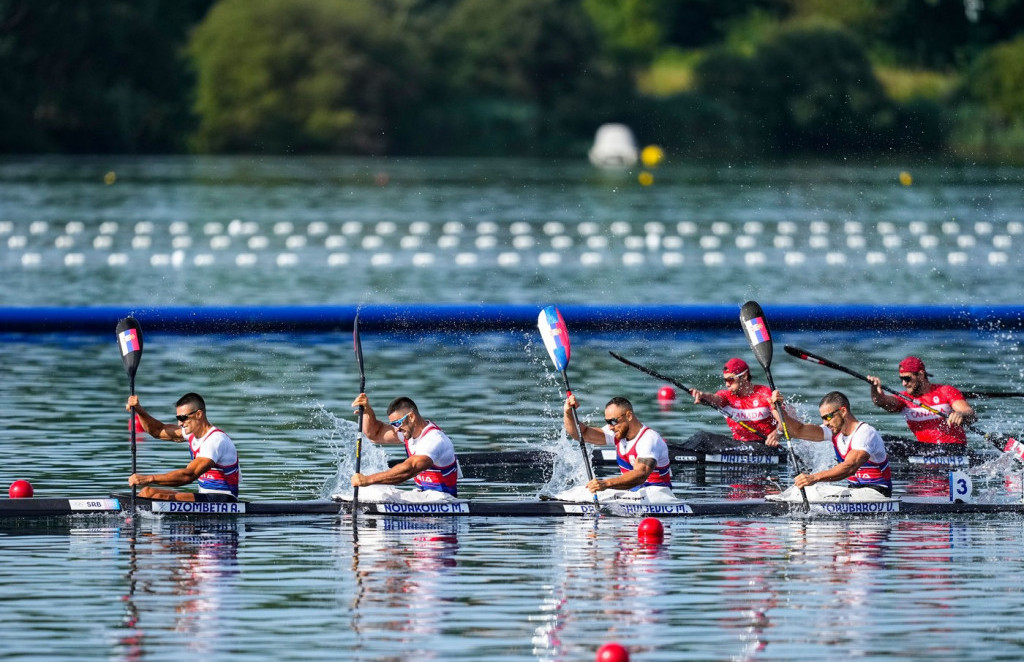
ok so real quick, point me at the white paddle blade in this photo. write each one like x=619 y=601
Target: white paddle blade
x=556 y=336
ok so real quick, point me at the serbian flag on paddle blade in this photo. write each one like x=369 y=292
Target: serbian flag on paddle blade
x=129 y=340
x=757 y=331
x=556 y=336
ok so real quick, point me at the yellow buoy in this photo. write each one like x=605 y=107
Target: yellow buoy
x=110 y=178
x=652 y=155
x=645 y=178
x=905 y=178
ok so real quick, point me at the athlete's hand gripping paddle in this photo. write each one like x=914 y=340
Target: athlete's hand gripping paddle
x=129 y=341
x=755 y=326
x=556 y=340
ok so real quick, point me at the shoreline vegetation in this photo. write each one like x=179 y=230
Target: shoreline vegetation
x=747 y=80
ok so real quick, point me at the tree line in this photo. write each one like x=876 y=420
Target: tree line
x=704 y=78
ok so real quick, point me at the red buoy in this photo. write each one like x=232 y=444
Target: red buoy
x=666 y=394
x=612 y=652
x=20 y=489
x=650 y=530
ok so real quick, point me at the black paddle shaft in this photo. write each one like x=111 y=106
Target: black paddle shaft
x=658 y=375
x=579 y=430
x=358 y=348
x=996 y=440
x=755 y=326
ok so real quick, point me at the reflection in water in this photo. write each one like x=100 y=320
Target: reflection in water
x=399 y=567
x=198 y=560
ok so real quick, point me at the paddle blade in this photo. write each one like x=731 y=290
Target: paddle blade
x=756 y=327
x=556 y=336
x=129 y=340
x=358 y=345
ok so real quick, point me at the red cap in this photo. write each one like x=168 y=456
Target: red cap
x=912 y=364
x=735 y=366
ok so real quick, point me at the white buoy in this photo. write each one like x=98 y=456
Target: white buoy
x=220 y=242
x=597 y=242
x=672 y=259
x=916 y=257
x=246 y=259
x=755 y=258
x=382 y=260
x=283 y=227
x=562 y=242
x=794 y=258
x=834 y=258
x=466 y=259
x=892 y=241
x=373 y=242
x=102 y=242
x=287 y=259
x=714 y=259
x=523 y=242
x=509 y=259
x=549 y=259
x=337 y=260
x=631 y=259
x=591 y=259
x=957 y=257
x=423 y=259
x=447 y=242
x=258 y=243
x=997 y=258
x=74 y=260
x=876 y=257
x=614 y=147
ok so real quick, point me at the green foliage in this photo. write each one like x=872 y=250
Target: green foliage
x=94 y=76
x=807 y=89
x=299 y=76
x=632 y=30
x=997 y=80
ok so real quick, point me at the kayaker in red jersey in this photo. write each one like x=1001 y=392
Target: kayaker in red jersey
x=742 y=400
x=928 y=426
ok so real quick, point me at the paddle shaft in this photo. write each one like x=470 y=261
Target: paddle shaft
x=658 y=375
x=807 y=356
x=579 y=431
x=135 y=450
x=358 y=348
